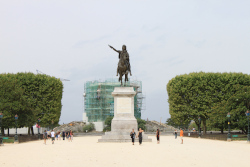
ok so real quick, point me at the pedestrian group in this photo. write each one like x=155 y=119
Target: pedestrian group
x=47 y=135
x=133 y=135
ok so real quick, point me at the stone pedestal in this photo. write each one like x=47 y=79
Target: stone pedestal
x=124 y=120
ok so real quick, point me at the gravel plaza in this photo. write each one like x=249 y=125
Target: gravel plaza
x=86 y=151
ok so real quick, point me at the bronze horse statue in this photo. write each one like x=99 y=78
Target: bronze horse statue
x=123 y=64
x=122 y=70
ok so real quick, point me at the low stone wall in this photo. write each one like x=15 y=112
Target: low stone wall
x=23 y=130
x=25 y=138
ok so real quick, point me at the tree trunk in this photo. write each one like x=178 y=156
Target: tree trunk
x=244 y=131
x=222 y=130
x=29 y=131
x=204 y=127
x=2 y=130
x=8 y=131
x=32 y=130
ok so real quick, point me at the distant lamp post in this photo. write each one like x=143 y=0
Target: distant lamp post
x=16 y=137
x=199 y=127
x=1 y=139
x=248 y=133
x=38 y=127
x=229 y=134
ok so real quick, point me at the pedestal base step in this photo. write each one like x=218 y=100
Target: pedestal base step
x=122 y=140
x=121 y=137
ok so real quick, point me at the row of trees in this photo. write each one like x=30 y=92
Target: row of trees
x=210 y=96
x=31 y=97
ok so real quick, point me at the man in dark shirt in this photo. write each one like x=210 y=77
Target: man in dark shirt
x=63 y=135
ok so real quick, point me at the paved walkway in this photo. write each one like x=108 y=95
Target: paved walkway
x=85 y=151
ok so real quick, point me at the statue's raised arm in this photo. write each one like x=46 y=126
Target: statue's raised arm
x=114 y=49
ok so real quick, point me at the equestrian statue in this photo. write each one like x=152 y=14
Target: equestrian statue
x=123 y=65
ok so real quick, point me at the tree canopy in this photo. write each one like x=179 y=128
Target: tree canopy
x=206 y=95
x=238 y=104
x=31 y=97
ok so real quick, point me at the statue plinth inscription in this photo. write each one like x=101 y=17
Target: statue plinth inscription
x=123 y=105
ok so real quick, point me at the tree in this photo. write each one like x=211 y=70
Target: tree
x=12 y=101
x=217 y=117
x=178 y=123
x=202 y=95
x=171 y=122
x=89 y=127
x=141 y=124
x=31 y=97
x=193 y=125
x=237 y=105
x=107 y=123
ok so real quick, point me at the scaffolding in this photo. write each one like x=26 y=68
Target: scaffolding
x=99 y=103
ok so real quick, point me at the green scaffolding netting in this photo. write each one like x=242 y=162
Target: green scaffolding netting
x=99 y=103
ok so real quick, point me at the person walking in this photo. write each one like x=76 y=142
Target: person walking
x=56 y=135
x=59 y=135
x=48 y=133
x=67 y=135
x=140 y=136
x=158 y=136
x=63 y=135
x=71 y=135
x=133 y=135
x=181 y=135
x=52 y=136
x=175 y=134
x=45 y=136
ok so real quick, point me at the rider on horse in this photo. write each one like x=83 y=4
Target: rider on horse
x=123 y=55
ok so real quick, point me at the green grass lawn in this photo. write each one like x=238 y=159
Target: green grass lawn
x=218 y=136
x=239 y=138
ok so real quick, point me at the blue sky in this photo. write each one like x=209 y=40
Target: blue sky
x=69 y=39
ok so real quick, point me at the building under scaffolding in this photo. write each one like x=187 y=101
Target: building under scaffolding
x=99 y=103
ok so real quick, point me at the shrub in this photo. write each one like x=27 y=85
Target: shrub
x=141 y=124
x=107 y=128
x=9 y=140
x=88 y=127
x=193 y=125
x=108 y=121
